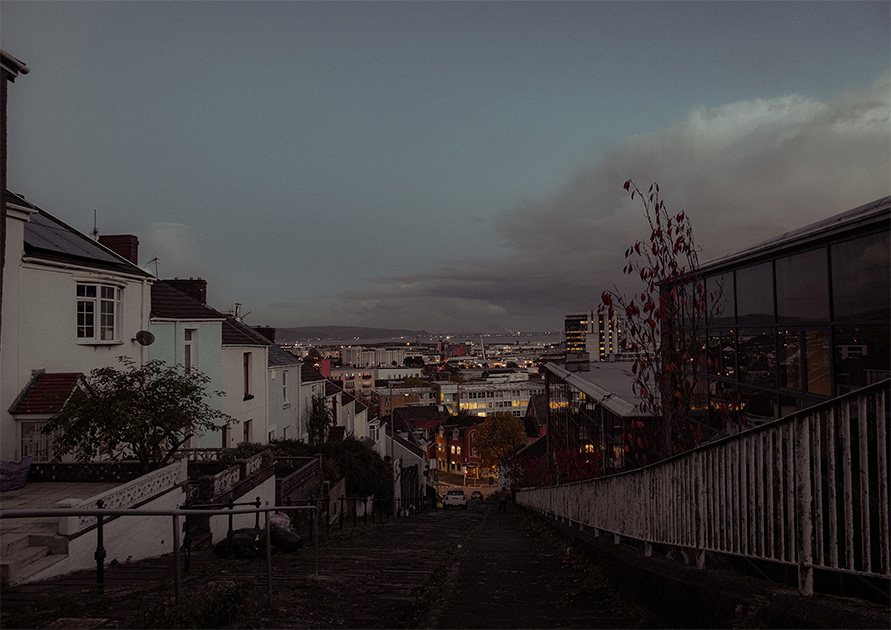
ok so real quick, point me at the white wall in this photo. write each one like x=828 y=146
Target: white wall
x=284 y=413
x=40 y=326
x=254 y=409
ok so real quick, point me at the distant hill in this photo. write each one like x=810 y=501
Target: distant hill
x=345 y=333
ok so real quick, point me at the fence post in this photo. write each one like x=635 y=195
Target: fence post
x=100 y=546
x=315 y=540
x=257 y=504
x=187 y=539
x=803 y=507
x=177 y=560
x=268 y=555
x=231 y=506
x=700 y=503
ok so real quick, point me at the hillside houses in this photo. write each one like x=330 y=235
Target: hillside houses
x=72 y=304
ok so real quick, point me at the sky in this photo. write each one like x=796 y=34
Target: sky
x=446 y=166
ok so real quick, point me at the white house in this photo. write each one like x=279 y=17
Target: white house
x=70 y=305
x=263 y=386
x=188 y=333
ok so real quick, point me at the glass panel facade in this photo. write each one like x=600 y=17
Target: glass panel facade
x=754 y=295
x=722 y=353
x=816 y=345
x=803 y=287
x=720 y=300
x=827 y=333
x=790 y=359
x=758 y=357
x=758 y=405
x=861 y=277
x=861 y=355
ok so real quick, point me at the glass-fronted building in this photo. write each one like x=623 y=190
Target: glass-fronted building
x=801 y=318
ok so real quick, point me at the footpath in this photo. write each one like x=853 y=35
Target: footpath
x=514 y=575
x=474 y=568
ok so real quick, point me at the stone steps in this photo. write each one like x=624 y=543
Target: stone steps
x=23 y=555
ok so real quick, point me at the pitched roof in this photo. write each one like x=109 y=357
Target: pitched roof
x=48 y=238
x=309 y=374
x=168 y=302
x=236 y=333
x=281 y=358
x=46 y=393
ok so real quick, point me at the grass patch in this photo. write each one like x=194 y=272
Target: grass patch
x=217 y=604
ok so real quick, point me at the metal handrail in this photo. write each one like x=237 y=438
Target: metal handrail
x=175 y=514
x=809 y=490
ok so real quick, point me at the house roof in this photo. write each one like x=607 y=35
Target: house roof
x=610 y=384
x=538 y=408
x=310 y=374
x=281 y=358
x=331 y=389
x=236 y=333
x=168 y=302
x=46 y=393
x=48 y=238
x=538 y=448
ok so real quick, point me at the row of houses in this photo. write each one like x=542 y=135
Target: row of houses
x=70 y=304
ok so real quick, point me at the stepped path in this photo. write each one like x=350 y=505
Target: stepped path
x=474 y=568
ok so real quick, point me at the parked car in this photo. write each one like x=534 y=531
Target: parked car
x=476 y=495
x=455 y=498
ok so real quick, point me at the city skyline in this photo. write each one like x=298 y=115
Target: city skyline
x=446 y=166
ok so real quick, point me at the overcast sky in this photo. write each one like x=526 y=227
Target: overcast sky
x=451 y=166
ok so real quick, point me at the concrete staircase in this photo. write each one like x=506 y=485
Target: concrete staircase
x=25 y=554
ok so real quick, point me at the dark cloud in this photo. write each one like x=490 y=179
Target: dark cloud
x=744 y=172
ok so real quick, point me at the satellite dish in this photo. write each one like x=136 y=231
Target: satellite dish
x=145 y=338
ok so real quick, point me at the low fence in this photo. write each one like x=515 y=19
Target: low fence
x=128 y=495
x=99 y=514
x=809 y=490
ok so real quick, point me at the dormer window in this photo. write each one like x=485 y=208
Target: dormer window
x=98 y=313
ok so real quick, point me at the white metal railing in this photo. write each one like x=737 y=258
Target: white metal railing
x=811 y=490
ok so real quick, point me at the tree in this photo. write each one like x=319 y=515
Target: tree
x=664 y=323
x=145 y=412
x=320 y=418
x=500 y=435
x=413 y=361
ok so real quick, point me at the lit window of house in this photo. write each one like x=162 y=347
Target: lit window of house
x=98 y=313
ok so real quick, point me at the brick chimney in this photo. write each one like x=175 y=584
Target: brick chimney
x=266 y=331
x=195 y=288
x=124 y=245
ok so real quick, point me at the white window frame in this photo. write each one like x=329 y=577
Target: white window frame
x=190 y=350
x=248 y=375
x=98 y=311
